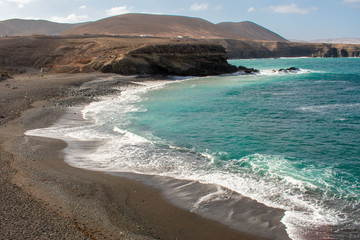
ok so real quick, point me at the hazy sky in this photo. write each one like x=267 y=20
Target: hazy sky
x=293 y=19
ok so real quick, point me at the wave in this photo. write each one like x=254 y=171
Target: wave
x=271 y=72
x=269 y=179
x=327 y=107
x=310 y=196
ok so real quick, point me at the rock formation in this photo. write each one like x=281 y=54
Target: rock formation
x=136 y=55
x=172 y=59
x=123 y=55
x=248 y=70
x=4 y=74
x=242 y=49
x=289 y=70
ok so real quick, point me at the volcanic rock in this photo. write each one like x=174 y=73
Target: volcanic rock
x=290 y=69
x=172 y=59
x=248 y=70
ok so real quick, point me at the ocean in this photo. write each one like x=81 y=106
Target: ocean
x=287 y=141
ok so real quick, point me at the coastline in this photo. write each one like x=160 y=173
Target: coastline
x=63 y=201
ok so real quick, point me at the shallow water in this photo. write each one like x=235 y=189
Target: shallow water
x=289 y=141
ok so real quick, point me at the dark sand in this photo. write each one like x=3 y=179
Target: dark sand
x=41 y=197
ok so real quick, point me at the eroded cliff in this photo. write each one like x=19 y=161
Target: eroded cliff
x=123 y=55
x=136 y=55
x=172 y=59
x=268 y=49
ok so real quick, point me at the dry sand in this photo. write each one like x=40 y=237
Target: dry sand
x=41 y=197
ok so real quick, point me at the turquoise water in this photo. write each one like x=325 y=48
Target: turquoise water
x=289 y=141
x=298 y=131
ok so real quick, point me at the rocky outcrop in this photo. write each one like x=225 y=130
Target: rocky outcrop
x=4 y=74
x=289 y=70
x=242 y=49
x=136 y=55
x=172 y=59
x=123 y=55
x=246 y=70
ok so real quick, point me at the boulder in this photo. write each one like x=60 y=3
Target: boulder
x=248 y=70
x=4 y=75
x=289 y=70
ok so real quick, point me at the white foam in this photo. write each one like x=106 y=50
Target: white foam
x=272 y=72
x=326 y=107
x=131 y=138
x=271 y=179
x=127 y=152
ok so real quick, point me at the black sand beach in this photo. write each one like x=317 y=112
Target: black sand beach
x=44 y=198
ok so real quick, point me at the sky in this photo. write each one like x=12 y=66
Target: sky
x=292 y=19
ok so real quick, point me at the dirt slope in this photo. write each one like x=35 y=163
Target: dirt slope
x=252 y=31
x=154 y=25
x=19 y=27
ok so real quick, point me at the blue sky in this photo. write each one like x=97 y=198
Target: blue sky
x=293 y=19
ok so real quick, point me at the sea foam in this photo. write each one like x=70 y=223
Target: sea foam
x=310 y=197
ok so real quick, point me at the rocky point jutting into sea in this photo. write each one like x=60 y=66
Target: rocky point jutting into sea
x=149 y=55
x=123 y=55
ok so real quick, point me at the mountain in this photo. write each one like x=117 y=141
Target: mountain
x=143 y=24
x=153 y=25
x=252 y=31
x=338 y=40
x=20 y=27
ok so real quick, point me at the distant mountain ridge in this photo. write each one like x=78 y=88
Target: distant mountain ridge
x=175 y=26
x=153 y=25
x=21 y=27
x=145 y=25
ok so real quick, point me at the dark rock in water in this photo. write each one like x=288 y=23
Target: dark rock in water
x=173 y=59
x=290 y=69
x=248 y=70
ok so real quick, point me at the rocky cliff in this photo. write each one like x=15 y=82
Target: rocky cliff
x=124 y=55
x=269 y=49
x=136 y=55
x=172 y=59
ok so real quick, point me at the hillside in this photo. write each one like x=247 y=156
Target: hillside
x=123 y=55
x=20 y=27
x=143 y=24
x=154 y=25
x=251 y=31
x=137 y=54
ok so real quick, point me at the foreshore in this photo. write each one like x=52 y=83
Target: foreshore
x=42 y=197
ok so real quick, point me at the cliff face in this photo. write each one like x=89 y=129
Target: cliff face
x=116 y=54
x=129 y=55
x=172 y=59
x=268 y=49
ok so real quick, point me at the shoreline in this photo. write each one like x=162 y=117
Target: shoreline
x=85 y=204
x=186 y=193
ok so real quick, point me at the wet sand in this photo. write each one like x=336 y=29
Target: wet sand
x=44 y=198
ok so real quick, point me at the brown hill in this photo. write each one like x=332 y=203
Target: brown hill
x=252 y=31
x=154 y=25
x=20 y=27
